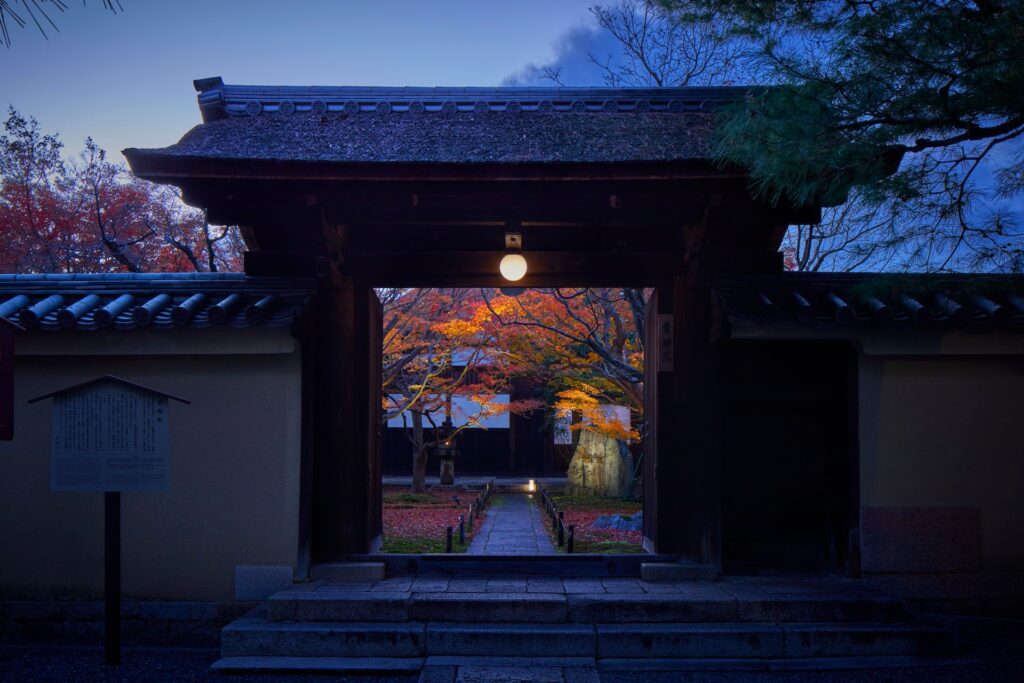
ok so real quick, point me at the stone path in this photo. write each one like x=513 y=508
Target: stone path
x=513 y=526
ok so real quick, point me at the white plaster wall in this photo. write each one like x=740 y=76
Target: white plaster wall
x=948 y=431
x=234 y=492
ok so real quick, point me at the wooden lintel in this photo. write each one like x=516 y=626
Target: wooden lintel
x=480 y=268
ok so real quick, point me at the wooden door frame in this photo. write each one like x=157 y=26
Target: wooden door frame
x=687 y=525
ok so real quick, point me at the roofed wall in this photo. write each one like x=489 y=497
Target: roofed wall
x=234 y=493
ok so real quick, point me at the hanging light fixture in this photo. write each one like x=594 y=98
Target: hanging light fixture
x=513 y=264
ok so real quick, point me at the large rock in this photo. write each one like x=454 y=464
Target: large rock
x=600 y=466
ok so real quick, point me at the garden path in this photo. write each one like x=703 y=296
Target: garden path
x=513 y=526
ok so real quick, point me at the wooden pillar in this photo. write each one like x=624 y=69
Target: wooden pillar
x=689 y=399
x=343 y=486
x=683 y=461
x=694 y=468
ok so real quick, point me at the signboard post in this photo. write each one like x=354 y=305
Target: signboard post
x=110 y=435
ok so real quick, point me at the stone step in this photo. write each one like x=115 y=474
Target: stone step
x=511 y=640
x=654 y=608
x=792 y=641
x=385 y=606
x=700 y=603
x=724 y=669
x=316 y=665
x=338 y=605
x=254 y=636
x=530 y=608
x=509 y=669
x=579 y=670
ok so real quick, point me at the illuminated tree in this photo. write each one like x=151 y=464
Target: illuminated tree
x=585 y=345
x=435 y=349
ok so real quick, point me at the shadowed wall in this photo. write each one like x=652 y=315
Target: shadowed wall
x=234 y=493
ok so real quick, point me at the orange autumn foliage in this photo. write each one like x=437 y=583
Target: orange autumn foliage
x=584 y=345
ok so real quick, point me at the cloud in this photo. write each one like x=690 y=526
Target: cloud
x=572 y=59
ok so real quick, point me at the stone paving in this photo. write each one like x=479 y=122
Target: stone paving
x=513 y=526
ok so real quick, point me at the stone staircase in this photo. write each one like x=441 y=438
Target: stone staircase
x=408 y=624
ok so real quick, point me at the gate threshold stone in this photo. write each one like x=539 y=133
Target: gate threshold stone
x=560 y=565
x=348 y=572
x=678 y=571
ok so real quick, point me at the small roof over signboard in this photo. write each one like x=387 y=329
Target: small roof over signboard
x=110 y=379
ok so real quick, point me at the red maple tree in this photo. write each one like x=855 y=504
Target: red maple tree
x=89 y=214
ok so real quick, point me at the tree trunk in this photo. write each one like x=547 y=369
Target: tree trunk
x=419 y=454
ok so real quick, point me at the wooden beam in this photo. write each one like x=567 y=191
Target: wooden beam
x=480 y=268
x=470 y=204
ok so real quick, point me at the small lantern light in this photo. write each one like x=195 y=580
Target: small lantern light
x=513 y=267
x=513 y=264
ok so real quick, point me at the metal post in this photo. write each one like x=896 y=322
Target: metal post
x=469 y=518
x=112 y=575
x=572 y=533
x=561 y=529
x=462 y=530
x=448 y=540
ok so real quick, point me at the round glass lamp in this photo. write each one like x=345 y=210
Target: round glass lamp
x=513 y=267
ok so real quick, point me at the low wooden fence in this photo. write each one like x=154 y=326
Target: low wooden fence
x=476 y=508
x=566 y=534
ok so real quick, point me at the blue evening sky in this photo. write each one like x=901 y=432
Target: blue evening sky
x=126 y=79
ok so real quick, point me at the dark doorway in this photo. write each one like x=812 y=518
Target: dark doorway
x=789 y=467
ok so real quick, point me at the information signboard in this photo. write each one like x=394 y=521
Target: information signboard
x=110 y=437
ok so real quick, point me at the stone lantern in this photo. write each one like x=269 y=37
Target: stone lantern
x=446 y=453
